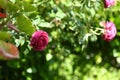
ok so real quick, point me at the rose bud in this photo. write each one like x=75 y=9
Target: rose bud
x=39 y=40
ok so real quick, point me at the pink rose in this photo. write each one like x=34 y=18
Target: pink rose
x=108 y=3
x=39 y=40
x=109 y=31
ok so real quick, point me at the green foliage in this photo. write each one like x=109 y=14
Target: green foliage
x=75 y=50
x=2 y=3
x=28 y=7
x=12 y=7
x=4 y=35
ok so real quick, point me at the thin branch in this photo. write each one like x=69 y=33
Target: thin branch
x=12 y=27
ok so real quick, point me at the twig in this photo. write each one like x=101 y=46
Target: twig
x=12 y=27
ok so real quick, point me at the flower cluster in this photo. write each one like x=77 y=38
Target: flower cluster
x=109 y=31
x=39 y=40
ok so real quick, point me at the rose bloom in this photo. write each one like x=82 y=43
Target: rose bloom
x=39 y=40
x=109 y=31
x=108 y=3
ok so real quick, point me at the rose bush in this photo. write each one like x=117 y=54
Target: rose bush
x=39 y=40
x=68 y=56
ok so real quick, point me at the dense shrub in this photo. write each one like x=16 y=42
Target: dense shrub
x=76 y=49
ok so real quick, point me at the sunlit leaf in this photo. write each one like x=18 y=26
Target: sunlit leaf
x=25 y=25
x=12 y=7
x=45 y=24
x=28 y=7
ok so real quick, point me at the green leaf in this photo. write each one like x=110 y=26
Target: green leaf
x=115 y=8
x=13 y=64
x=59 y=14
x=45 y=24
x=24 y=24
x=92 y=11
x=93 y=38
x=4 y=35
x=28 y=7
x=12 y=7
